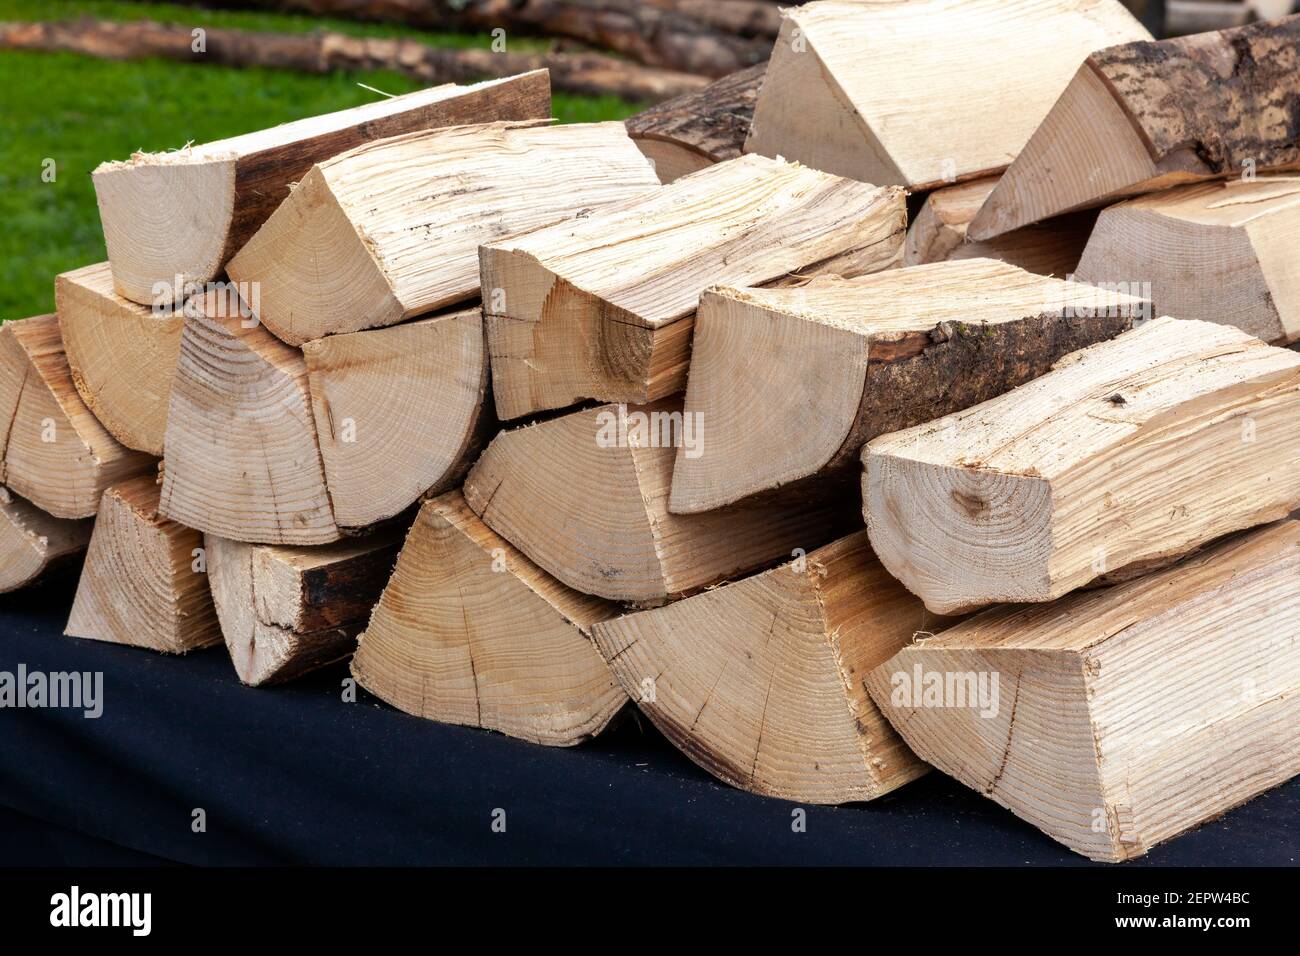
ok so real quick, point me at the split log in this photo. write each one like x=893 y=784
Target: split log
x=175 y=219
x=863 y=357
x=391 y=230
x=1200 y=16
x=938 y=234
x=400 y=412
x=469 y=631
x=142 y=583
x=34 y=544
x=585 y=496
x=602 y=308
x=1118 y=718
x=1219 y=252
x=696 y=130
x=122 y=355
x=923 y=93
x=55 y=453
x=760 y=681
x=1143 y=116
x=286 y=611
x=1127 y=455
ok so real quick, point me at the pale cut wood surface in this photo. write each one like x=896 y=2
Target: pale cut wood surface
x=391 y=230
x=139 y=585
x=1125 y=715
x=122 y=355
x=34 y=544
x=185 y=213
x=923 y=93
x=790 y=383
x=1128 y=454
x=1220 y=252
x=760 y=681
x=53 y=451
x=469 y=631
x=601 y=308
x=592 y=510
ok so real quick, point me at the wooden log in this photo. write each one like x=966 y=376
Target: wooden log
x=863 y=357
x=894 y=93
x=585 y=496
x=469 y=631
x=175 y=219
x=1219 y=252
x=391 y=230
x=602 y=308
x=142 y=584
x=1200 y=16
x=1128 y=454
x=938 y=234
x=696 y=130
x=760 y=681
x=122 y=355
x=1118 y=718
x=33 y=544
x=1144 y=116
x=400 y=412
x=54 y=453
x=286 y=611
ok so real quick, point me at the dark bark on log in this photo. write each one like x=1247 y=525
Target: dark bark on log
x=713 y=122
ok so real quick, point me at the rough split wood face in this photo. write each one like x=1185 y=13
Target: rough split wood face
x=890 y=93
x=469 y=631
x=1128 y=454
x=34 y=544
x=391 y=230
x=1143 y=116
x=760 y=681
x=1117 y=718
x=1220 y=252
x=601 y=307
x=185 y=213
x=836 y=362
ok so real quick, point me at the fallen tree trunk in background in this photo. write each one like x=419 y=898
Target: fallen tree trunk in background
x=602 y=307
x=54 y=453
x=1127 y=455
x=1118 y=718
x=287 y=611
x=1143 y=116
x=690 y=132
x=1220 y=252
x=760 y=681
x=469 y=631
x=391 y=230
x=34 y=544
x=142 y=583
x=856 y=358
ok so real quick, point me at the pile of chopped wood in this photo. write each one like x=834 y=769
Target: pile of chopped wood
x=542 y=420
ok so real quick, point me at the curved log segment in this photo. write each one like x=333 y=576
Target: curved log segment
x=34 y=544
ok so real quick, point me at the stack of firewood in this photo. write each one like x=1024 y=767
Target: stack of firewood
x=680 y=413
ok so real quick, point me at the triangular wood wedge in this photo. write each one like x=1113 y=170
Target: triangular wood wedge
x=391 y=230
x=1143 y=116
x=54 y=453
x=469 y=631
x=1117 y=718
x=696 y=130
x=172 y=219
x=1128 y=454
x=400 y=412
x=585 y=496
x=760 y=681
x=1220 y=252
x=143 y=583
x=601 y=308
x=894 y=93
x=34 y=544
x=285 y=611
x=861 y=357
x=122 y=355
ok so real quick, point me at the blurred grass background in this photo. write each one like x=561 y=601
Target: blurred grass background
x=80 y=111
